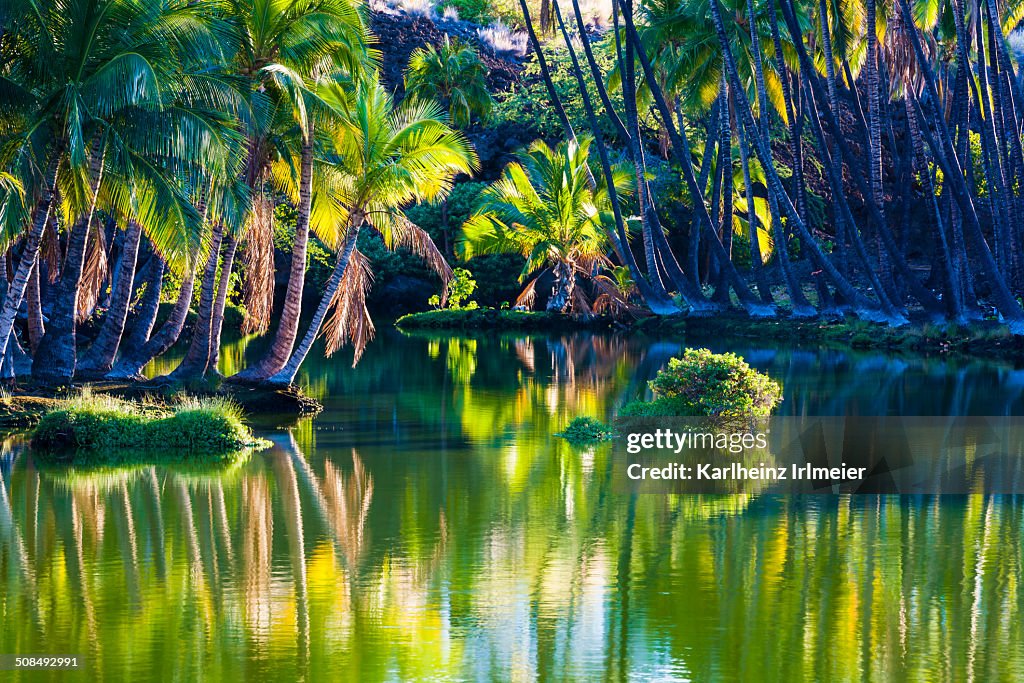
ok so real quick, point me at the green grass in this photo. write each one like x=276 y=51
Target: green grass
x=98 y=428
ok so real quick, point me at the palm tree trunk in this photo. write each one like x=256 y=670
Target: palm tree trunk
x=36 y=328
x=194 y=363
x=693 y=246
x=658 y=303
x=562 y=291
x=833 y=103
x=29 y=255
x=287 y=374
x=775 y=183
x=923 y=295
x=134 y=359
x=556 y=102
x=639 y=167
x=57 y=353
x=100 y=357
x=149 y=307
x=228 y=262
x=756 y=260
x=681 y=150
x=725 y=173
x=945 y=154
x=288 y=328
x=801 y=307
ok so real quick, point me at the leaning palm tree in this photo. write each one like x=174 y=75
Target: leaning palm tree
x=452 y=74
x=282 y=47
x=547 y=208
x=384 y=159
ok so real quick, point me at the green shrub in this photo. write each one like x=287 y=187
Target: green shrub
x=705 y=383
x=586 y=430
x=112 y=429
x=460 y=288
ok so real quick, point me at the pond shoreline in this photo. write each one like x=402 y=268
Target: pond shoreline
x=984 y=338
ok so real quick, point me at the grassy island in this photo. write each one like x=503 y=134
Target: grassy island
x=104 y=428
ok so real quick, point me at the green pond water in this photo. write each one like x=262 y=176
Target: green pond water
x=427 y=526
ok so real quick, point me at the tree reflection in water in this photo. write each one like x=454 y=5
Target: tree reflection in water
x=428 y=526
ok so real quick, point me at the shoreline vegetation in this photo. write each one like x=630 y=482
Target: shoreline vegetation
x=94 y=428
x=981 y=338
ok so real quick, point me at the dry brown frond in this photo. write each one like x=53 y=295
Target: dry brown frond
x=94 y=274
x=611 y=300
x=418 y=241
x=49 y=249
x=258 y=262
x=349 y=320
x=528 y=296
x=578 y=303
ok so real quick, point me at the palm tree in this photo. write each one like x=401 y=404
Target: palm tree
x=383 y=159
x=453 y=75
x=282 y=47
x=88 y=83
x=545 y=208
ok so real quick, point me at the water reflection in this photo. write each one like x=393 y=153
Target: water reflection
x=427 y=526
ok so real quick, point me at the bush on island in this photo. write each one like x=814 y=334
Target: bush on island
x=583 y=431
x=708 y=384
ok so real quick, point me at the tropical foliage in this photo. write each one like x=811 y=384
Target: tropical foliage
x=546 y=208
x=786 y=157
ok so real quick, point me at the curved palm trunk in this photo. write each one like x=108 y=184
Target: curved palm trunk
x=198 y=354
x=801 y=307
x=756 y=260
x=287 y=374
x=727 y=189
x=57 y=353
x=713 y=138
x=228 y=262
x=775 y=183
x=833 y=103
x=131 y=362
x=288 y=328
x=657 y=250
x=100 y=357
x=658 y=303
x=813 y=87
x=29 y=255
x=544 y=72
x=945 y=155
x=681 y=150
x=149 y=306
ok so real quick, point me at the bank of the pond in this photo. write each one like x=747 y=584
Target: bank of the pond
x=980 y=338
x=23 y=407
x=985 y=338
x=505 y=320
x=101 y=428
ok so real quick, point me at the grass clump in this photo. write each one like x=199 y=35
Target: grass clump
x=586 y=430
x=107 y=427
x=708 y=384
